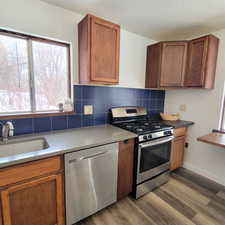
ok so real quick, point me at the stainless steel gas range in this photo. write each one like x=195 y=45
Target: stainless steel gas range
x=152 y=148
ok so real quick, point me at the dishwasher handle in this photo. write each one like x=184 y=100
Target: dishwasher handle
x=87 y=157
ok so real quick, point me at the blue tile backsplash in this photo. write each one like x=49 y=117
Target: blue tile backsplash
x=102 y=99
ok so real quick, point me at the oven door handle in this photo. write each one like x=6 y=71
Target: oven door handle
x=156 y=142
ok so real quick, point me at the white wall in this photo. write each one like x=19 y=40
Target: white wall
x=203 y=107
x=133 y=54
x=43 y=19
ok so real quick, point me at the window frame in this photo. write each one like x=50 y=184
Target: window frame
x=222 y=120
x=33 y=113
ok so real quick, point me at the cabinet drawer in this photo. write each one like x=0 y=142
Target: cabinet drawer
x=179 y=132
x=29 y=170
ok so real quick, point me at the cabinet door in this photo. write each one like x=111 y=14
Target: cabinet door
x=37 y=202
x=173 y=64
x=105 y=42
x=153 y=66
x=177 y=153
x=197 y=55
x=1 y=219
x=125 y=168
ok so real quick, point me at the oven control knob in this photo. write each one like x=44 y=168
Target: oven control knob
x=149 y=136
x=145 y=137
x=167 y=133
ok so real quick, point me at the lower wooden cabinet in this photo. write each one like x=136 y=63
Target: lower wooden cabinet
x=37 y=201
x=178 y=145
x=125 y=168
x=1 y=219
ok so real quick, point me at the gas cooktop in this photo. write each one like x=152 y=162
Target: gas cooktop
x=142 y=127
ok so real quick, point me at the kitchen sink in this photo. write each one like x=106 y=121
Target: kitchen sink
x=20 y=147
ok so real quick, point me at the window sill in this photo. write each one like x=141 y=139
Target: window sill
x=215 y=138
x=218 y=131
x=34 y=115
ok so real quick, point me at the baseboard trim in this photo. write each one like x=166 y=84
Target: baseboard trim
x=204 y=173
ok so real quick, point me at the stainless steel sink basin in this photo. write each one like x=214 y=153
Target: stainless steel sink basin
x=20 y=147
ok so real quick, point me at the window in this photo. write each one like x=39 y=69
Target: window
x=222 y=121
x=34 y=74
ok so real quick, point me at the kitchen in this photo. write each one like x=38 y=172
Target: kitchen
x=38 y=186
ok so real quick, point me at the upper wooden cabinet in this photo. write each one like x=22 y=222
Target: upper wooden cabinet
x=201 y=66
x=99 y=46
x=166 y=63
x=182 y=63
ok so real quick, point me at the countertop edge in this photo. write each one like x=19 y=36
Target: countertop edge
x=57 y=151
x=179 y=123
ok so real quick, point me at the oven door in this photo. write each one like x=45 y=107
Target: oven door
x=153 y=158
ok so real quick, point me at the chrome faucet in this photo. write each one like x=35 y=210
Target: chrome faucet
x=7 y=131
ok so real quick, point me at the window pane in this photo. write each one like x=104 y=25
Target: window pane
x=14 y=75
x=223 y=118
x=50 y=64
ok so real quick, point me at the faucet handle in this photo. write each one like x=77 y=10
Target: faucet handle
x=11 y=128
x=10 y=124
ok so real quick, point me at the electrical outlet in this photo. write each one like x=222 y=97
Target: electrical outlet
x=88 y=110
x=183 y=108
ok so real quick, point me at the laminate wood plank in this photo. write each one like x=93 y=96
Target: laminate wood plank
x=132 y=201
x=175 y=203
x=161 y=212
x=200 y=180
x=217 y=209
x=118 y=216
x=221 y=194
x=105 y=217
x=122 y=213
x=133 y=216
x=172 y=216
x=201 y=219
x=200 y=184
x=88 y=221
x=151 y=211
x=195 y=201
x=178 y=202
x=190 y=193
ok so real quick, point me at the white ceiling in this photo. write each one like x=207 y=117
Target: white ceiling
x=156 y=19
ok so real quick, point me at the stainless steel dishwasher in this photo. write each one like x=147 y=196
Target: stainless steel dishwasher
x=91 y=181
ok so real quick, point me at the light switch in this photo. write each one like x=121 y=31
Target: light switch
x=183 y=108
x=88 y=110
